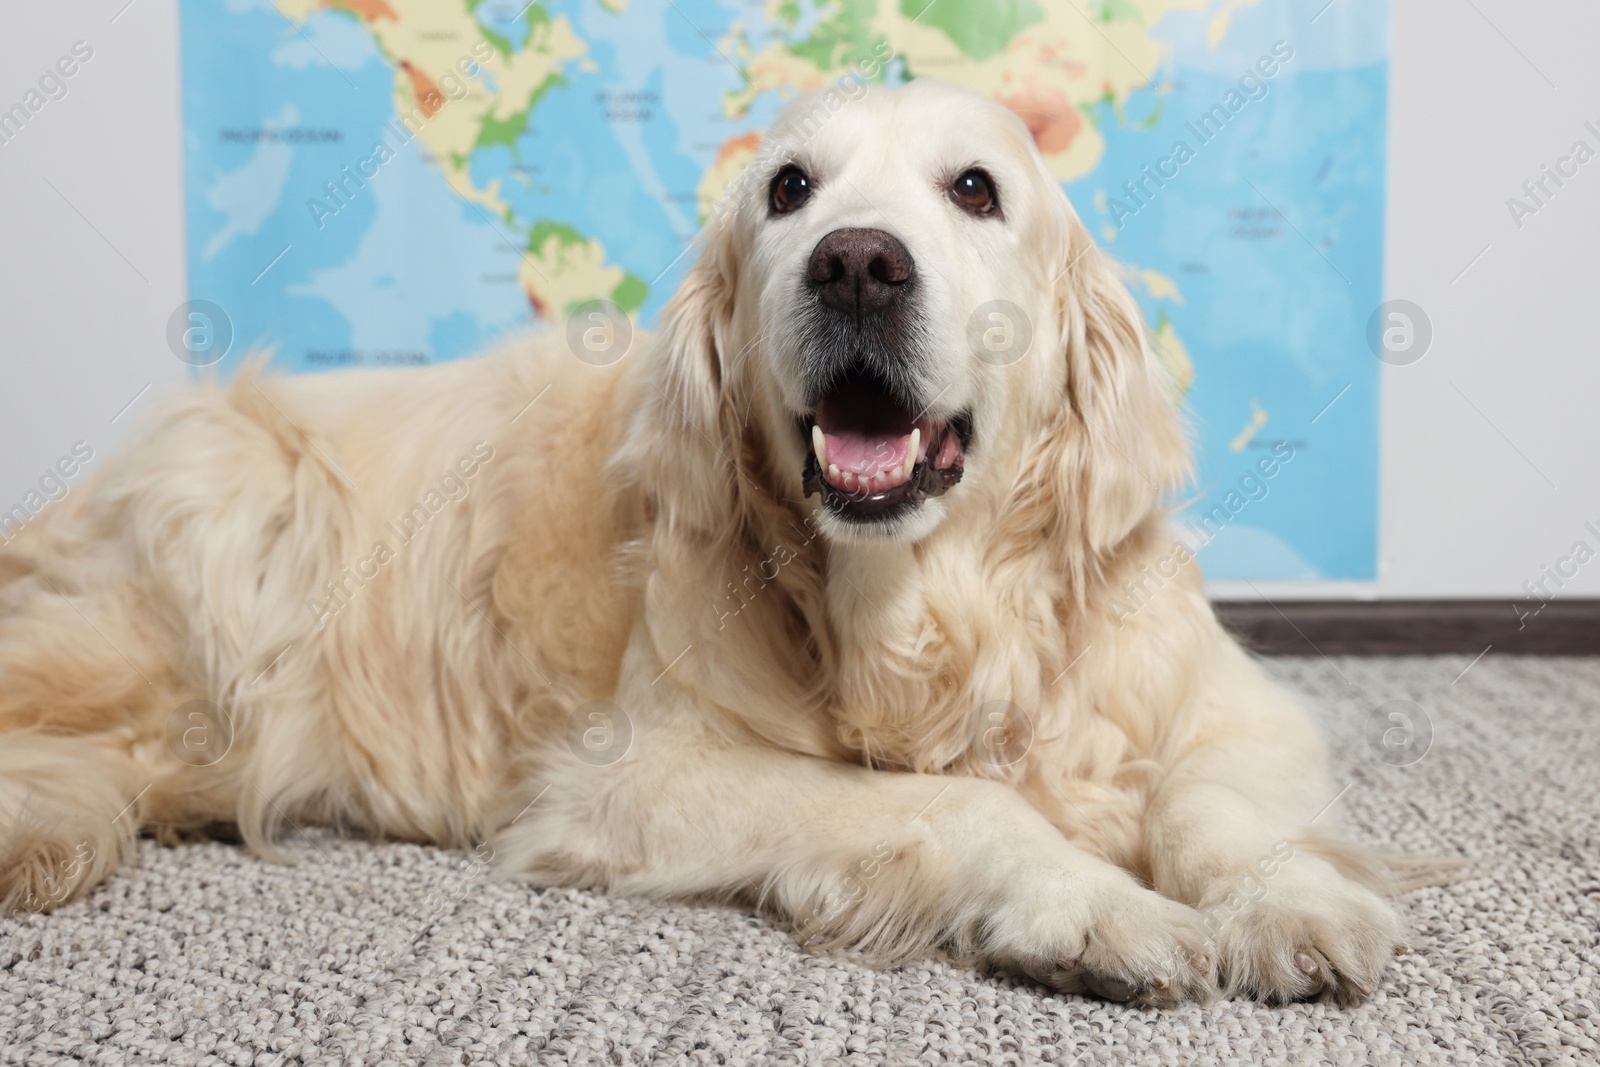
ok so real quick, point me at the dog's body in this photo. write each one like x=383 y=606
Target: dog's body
x=920 y=714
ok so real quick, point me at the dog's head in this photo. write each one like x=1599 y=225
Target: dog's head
x=897 y=314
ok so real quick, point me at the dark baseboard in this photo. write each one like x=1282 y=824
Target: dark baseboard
x=1414 y=627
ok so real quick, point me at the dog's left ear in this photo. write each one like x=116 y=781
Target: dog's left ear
x=680 y=445
x=1120 y=444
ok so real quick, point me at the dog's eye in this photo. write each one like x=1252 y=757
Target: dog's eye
x=790 y=189
x=974 y=191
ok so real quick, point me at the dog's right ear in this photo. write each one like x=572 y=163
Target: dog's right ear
x=1132 y=439
x=1117 y=447
x=680 y=444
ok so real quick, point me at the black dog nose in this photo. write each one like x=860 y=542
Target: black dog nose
x=859 y=271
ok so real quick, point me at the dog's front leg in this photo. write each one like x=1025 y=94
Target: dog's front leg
x=893 y=864
x=1241 y=829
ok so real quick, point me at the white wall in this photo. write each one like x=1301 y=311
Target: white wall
x=91 y=234
x=1488 y=441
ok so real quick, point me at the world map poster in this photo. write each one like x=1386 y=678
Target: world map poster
x=379 y=183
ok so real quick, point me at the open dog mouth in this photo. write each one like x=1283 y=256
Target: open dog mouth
x=872 y=458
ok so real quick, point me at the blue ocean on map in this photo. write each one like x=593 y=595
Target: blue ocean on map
x=1274 y=306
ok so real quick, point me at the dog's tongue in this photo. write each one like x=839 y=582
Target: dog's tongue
x=866 y=453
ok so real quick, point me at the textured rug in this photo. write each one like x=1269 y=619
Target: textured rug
x=365 y=953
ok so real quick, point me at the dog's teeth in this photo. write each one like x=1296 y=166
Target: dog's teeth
x=916 y=439
x=833 y=474
x=819 y=445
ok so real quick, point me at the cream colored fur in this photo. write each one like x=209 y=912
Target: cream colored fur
x=809 y=706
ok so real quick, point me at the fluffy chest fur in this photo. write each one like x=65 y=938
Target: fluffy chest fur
x=965 y=658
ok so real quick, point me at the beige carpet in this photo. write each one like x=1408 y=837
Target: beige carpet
x=391 y=953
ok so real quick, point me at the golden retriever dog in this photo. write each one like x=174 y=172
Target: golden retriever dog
x=822 y=599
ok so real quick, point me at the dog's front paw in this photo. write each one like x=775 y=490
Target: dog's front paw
x=1322 y=935
x=1125 y=943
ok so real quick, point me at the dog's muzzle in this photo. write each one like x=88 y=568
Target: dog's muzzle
x=875 y=452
